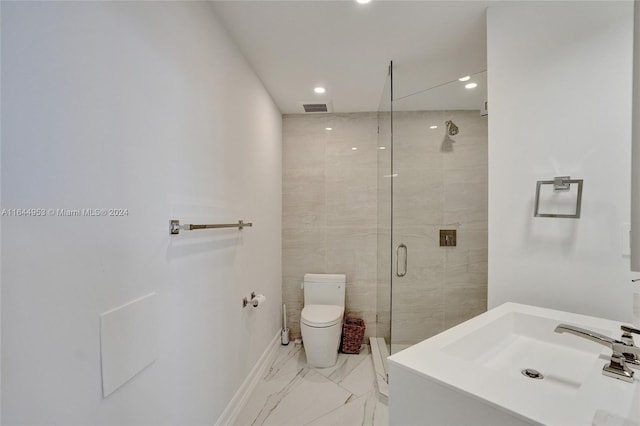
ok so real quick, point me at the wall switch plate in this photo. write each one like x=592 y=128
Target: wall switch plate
x=448 y=237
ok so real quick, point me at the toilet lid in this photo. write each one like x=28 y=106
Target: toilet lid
x=321 y=315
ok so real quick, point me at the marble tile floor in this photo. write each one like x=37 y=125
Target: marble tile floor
x=292 y=393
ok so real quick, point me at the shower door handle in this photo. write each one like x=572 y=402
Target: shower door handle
x=404 y=271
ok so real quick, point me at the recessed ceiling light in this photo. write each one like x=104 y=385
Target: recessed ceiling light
x=319 y=90
x=354 y=148
x=433 y=127
x=363 y=1
x=465 y=78
x=382 y=147
x=328 y=128
x=470 y=85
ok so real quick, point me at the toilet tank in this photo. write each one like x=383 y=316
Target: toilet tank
x=324 y=289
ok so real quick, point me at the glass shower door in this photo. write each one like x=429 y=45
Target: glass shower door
x=383 y=311
x=438 y=182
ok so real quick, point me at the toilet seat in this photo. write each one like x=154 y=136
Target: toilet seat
x=321 y=316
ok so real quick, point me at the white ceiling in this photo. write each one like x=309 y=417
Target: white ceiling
x=346 y=47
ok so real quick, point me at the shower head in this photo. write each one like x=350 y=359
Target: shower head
x=452 y=129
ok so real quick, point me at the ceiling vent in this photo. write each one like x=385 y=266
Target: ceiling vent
x=315 y=107
x=312 y=107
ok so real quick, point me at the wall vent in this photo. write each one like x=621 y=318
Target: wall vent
x=313 y=107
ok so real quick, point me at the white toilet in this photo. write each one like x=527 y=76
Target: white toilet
x=321 y=317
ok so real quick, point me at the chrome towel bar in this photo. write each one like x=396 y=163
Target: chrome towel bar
x=175 y=227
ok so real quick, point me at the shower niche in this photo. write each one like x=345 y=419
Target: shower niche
x=432 y=176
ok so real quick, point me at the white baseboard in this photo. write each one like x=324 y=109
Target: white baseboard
x=230 y=413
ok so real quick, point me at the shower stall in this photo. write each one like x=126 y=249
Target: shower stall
x=432 y=210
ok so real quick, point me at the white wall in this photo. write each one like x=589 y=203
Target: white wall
x=146 y=106
x=635 y=152
x=560 y=104
x=0 y=220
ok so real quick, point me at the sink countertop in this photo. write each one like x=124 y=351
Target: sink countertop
x=588 y=398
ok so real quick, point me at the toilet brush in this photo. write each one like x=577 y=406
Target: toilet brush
x=284 y=335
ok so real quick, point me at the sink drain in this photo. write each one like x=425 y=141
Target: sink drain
x=532 y=374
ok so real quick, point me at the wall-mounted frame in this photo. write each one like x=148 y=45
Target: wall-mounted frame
x=561 y=183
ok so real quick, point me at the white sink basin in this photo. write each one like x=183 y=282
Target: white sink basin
x=472 y=374
x=517 y=341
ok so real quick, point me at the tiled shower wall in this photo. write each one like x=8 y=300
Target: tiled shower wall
x=441 y=183
x=330 y=215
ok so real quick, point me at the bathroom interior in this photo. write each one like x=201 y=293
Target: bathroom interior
x=407 y=193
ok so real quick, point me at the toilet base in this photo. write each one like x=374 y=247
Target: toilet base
x=321 y=344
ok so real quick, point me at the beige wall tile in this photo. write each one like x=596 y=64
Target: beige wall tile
x=303 y=152
x=303 y=250
x=468 y=219
x=418 y=197
x=340 y=153
x=463 y=303
x=297 y=125
x=335 y=200
x=354 y=125
x=354 y=252
x=292 y=297
x=330 y=208
x=413 y=327
x=351 y=197
x=303 y=198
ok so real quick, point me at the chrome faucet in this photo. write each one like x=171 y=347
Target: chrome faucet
x=627 y=339
x=617 y=368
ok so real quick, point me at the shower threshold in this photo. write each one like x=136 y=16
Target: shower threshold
x=379 y=353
